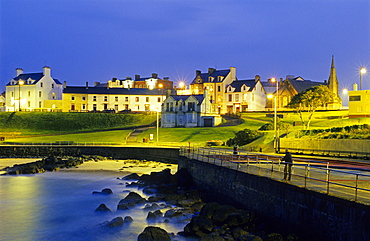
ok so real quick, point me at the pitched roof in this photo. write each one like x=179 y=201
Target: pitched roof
x=118 y=91
x=214 y=74
x=237 y=84
x=302 y=85
x=200 y=98
x=34 y=76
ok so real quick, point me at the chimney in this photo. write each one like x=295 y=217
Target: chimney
x=166 y=78
x=128 y=78
x=197 y=72
x=154 y=76
x=168 y=93
x=65 y=84
x=114 y=79
x=211 y=70
x=46 y=71
x=355 y=87
x=137 y=76
x=257 y=78
x=96 y=83
x=18 y=71
x=87 y=85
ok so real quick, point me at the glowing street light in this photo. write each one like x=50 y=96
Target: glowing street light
x=182 y=85
x=362 y=71
x=275 y=111
x=20 y=82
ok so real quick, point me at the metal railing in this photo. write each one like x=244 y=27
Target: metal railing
x=61 y=143
x=313 y=175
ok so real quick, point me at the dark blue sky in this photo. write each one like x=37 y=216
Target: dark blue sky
x=91 y=40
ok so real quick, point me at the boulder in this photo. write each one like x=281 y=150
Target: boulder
x=154 y=234
x=274 y=237
x=184 y=178
x=102 y=208
x=128 y=219
x=130 y=200
x=239 y=218
x=118 y=221
x=132 y=176
x=208 y=209
x=221 y=213
x=212 y=237
x=199 y=226
x=238 y=232
x=154 y=215
x=105 y=191
x=152 y=207
x=249 y=237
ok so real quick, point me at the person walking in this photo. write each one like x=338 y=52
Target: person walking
x=288 y=160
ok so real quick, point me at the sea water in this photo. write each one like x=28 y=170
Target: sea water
x=60 y=206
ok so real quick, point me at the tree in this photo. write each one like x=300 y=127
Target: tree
x=309 y=101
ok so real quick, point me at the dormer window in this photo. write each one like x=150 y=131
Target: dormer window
x=220 y=78
x=210 y=79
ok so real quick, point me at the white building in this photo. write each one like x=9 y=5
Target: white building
x=189 y=111
x=32 y=91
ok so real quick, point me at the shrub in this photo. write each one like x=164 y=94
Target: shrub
x=244 y=137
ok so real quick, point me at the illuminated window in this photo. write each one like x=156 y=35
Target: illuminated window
x=355 y=98
x=230 y=97
x=159 y=99
x=147 y=99
x=137 y=99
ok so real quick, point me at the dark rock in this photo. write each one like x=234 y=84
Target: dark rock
x=187 y=202
x=130 y=200
x=208 y=209
x=118 y=221
x=154 y=234
x=154 y=215
x=239 y=218
x=164 y=176
x=249 y=237
x=212 y=237
x=184 y=178
x=132 y=176
x=156 y=198
x=149 y=190
x=128 y=219
x=105 y=191
x=238 y=232
x=274 y=237
x=197 y=206
x=102 y=208
x=152 y=207
x=199 y=226
x=220 y=214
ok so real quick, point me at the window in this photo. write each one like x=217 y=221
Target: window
x=40 y=104
x=355 y=98
x=72 y=97
x=29 y=103
x=230 y=97
x=83 y=98
x=191 y=106
x=137 y=99
x=105 y=98
x=116 y=107
x=147 y=107
x=253 y=97
x=94 y=107
x=94 y=98
x=52 y=86
x=126 y=98
x=41 y=84
x=40 y=95
x=116 y=98
x=218 y=88
x=53 y=96
x=147 y=99
x=12 y=94
x=237 y=97
x=105 y=106
x=159 y=99
x=72 y=107
x=83 y=107
x=126 y=107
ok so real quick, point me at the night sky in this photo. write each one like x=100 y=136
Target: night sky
x=90 y=40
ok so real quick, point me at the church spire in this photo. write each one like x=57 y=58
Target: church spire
x=333 y=80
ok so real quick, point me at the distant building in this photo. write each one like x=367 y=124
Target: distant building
x=292 y=86
x=189 y=111
x=84 y=99
x=2 y=102
x=33 y=92
x=358 y=103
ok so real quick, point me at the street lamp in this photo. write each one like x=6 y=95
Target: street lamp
x=158 y=125
x=362 y=71
x=20 y=82
x=275 y=112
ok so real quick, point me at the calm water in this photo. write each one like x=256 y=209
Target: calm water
x=60 y=206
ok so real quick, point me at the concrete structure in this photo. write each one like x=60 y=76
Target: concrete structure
x=33 y=92
x=83 y=99
x=314 y=215
x=189 y=111
x=359 y=103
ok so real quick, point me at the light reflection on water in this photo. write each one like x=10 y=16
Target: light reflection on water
x=60 y=206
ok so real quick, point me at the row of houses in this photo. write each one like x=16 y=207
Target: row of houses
x=209 y=95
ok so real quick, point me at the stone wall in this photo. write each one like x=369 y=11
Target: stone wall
x=316 y=215
x=148 y=153
x=344 y=145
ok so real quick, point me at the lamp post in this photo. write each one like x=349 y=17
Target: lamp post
x=275 y=112
x=158 y=125
x=362 y=71
x=20 y=82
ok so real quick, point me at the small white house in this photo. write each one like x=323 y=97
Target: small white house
x=188 y=111
x=29 y=92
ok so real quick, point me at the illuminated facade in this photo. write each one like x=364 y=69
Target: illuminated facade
x=151 y=83
x=33 y=92
x=359 y=103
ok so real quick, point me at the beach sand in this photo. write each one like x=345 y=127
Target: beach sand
x=123 y=166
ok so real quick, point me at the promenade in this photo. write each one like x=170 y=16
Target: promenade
x=345 y=182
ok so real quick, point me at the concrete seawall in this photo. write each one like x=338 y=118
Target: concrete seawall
x=313 y=214
x=116 y=152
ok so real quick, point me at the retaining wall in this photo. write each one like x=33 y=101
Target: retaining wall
x=316 y=215
x=140 y=153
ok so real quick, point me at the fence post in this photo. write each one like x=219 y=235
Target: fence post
x=327 y=181
x=305 y=177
